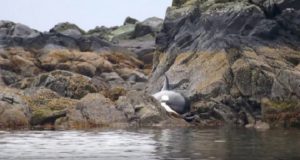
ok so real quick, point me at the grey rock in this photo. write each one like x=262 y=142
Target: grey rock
x=130 y=20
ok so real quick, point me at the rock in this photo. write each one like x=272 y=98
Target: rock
x=112 y=76
x=130 y=20
x=14 y=111
x=149 y=26
x=290 y=19
x=11 y=118
x=212 y=49
x=123 y=32
x=9 y=78
x=281 y=113
x=66 y=84
x=127 y=73
x=94 y=43
x=114 y=93
x=19 y=61
x=102 y=32
x=100 y=111
x=68 y=29
x=262 y=126
x=276 y=6
x=144 y=47
x=85 y=63
x=8 y=28
x=92 y=111
x=46 y=106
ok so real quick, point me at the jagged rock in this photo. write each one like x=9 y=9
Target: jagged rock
x=230 y=48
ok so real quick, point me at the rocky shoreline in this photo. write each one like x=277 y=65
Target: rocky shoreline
x=237 y=61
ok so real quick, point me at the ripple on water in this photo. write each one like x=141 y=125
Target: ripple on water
x=217 y=144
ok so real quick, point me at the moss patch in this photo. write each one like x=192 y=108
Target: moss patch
x=45 y=108
x=281 y=113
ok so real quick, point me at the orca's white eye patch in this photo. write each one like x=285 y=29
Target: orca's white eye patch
x=165 y=98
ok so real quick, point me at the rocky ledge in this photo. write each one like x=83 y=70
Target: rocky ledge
x=236 y=61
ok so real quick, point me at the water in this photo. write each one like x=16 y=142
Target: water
x=147 y=144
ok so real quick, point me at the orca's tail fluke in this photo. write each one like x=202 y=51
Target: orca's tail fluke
x=166 y=84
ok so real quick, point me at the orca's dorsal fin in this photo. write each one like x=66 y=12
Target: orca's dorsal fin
x=166 y=84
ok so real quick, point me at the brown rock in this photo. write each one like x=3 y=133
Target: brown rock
x=281 y=113
x=100 y=111
x=64 y=83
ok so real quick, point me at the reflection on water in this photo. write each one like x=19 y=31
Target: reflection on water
x=183 y=144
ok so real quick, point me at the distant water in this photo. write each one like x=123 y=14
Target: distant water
x=147 y=144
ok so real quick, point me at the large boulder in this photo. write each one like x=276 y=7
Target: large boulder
x=85 y=63
x=46 y=106
x=19 y=61
x=14 y=111
x=8 y=28
x=92 y=111
x=100 y=111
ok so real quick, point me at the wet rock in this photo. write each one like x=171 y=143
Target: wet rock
x=259 y=126
x=281 y=113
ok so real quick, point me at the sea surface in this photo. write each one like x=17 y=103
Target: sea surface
x=148 y=144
